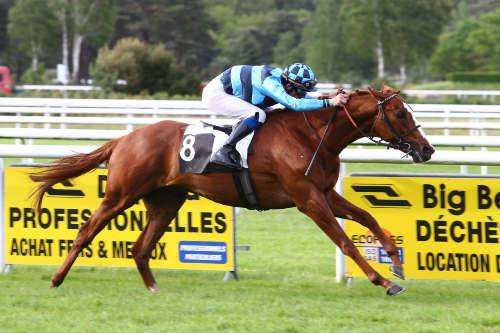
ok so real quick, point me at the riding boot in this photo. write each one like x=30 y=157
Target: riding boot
x=227 y=155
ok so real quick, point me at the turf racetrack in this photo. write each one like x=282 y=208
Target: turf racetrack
x=287 y=285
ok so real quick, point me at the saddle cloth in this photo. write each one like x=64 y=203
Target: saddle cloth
x=201 y=141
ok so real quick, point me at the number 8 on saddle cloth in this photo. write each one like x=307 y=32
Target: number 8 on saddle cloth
x=200 y=141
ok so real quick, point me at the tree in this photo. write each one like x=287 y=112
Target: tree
x=473 y=46
x=30 y=28
x=143 y=67
x=363 y=38
x=184 y=27
x=367 y=23
x=93 y=20
x=325 y=43
x=412 y=32
x=61 y=9
x=4 y=14
x=484 y=41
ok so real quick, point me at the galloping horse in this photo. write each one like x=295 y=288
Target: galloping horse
x=145 y=164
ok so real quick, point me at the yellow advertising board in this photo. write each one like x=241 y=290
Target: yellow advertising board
x=444 y=228
x=200 y=237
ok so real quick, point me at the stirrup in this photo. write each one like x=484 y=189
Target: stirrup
x=223 y=157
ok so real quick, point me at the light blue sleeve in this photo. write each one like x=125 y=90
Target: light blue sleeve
x=272 y=88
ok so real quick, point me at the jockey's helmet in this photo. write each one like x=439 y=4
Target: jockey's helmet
x=300 y=76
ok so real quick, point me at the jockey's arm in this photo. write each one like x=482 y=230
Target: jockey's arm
x=272 y=88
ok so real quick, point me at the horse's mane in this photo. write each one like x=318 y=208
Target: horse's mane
x=359 y=92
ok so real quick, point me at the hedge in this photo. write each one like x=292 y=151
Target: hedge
x=474 y=76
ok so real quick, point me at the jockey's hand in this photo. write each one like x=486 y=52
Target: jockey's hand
x=340 y=98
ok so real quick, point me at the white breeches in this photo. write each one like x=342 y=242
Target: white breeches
x=218 y=101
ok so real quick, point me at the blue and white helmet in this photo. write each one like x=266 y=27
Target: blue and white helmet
x=300 y=76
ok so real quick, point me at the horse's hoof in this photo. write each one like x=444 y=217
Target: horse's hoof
x=397 y=270
x=395 y=290
x=54 y=284
x=154 y=289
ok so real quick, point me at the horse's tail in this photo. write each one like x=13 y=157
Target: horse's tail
x=69 y=167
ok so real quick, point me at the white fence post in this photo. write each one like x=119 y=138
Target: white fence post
x=484 y=168
x=339 y=256
x=18 y=125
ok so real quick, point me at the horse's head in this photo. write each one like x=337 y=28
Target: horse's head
x=394 y=123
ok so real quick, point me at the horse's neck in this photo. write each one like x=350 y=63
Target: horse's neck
x=341 y=132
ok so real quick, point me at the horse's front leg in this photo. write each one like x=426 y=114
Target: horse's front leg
x=345 y=209
x=312 y=202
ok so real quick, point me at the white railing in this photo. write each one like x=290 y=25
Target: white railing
x=322 y=87
x=149 y=107
x=429 y=92
x=131 y=113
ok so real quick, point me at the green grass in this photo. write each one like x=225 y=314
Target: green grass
x=287 y=285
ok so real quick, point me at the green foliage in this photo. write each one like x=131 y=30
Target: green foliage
x=473 y=46
x=338 y=38
x=36 y=76
x=98 y=25
x=484 y=41
x=413 y=30
x=474 y=76
x=343 y=35
x=31 y=30
x=143 y=67
x=184 y=27
x=258 y=32
x=323 y=42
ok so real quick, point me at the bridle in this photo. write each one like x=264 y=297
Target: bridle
x=400 y=144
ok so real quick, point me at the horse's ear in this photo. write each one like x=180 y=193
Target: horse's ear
x=387 y=90
x=377 y=94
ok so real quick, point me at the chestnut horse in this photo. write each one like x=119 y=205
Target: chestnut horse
x=145 y=164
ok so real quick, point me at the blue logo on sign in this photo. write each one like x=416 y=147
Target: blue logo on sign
x=383 y=258
x=202 y=252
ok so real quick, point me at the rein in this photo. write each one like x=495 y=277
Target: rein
x=330 y=121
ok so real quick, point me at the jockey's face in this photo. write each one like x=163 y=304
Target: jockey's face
x=295 y=92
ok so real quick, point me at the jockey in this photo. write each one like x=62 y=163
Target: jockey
x=247 y=91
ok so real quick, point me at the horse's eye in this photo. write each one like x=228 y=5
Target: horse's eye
x=402 y=114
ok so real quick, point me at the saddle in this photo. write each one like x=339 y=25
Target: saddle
x=200 y=141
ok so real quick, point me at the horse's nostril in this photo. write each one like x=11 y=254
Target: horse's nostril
x=428 y=150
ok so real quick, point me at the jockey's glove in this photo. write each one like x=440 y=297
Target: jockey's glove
x=329 y=102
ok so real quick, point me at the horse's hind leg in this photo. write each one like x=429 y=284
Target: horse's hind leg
x=162 y=206
x=109 y=208
x=344 y=209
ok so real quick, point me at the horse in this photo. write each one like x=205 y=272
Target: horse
x=144 y=164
